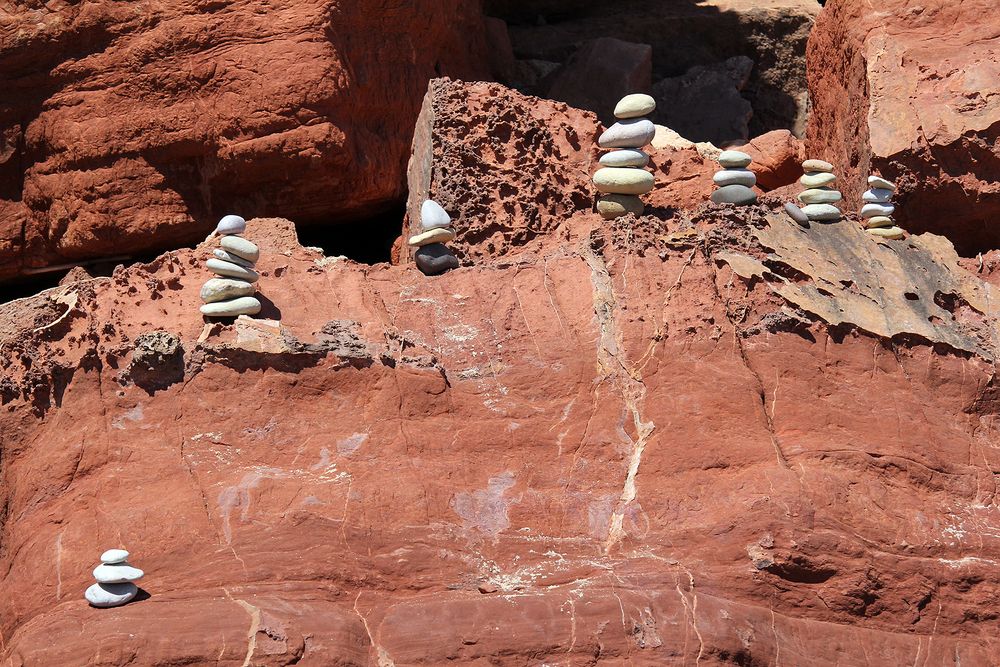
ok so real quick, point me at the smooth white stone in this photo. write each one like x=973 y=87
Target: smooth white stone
x=632 y=133
x=224 y=289
x=110 y=595
x=432 y=215
x=820 y=196
x=879 y=182
x=231 y=270
x=817 y=179
x=231 y=224
x=871 y=210
x=735 y=177
x=117 y=573
x=877 y=196
x=625 y=158
x=879 y=221
x=245 y=305
x=821 y=212
x=112 y=556
x=635 y=105
x=734 y=159
x=817 y=165
x=622 y=181
x=230 y=257
x=240 y=247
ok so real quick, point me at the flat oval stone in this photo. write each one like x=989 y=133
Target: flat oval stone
x=117 y=573
x=245 y=305
x=734 y=194
x=877 y=196
x=223 y=289
x=879 y=182
x=871 y=210
x=820 y=196
x=110 y=595
x=879 y=221
x=887 y=232
x=822 y=212
x=817 y=179
x=435 y=258
x=632 y=133
x=623 y=181
x=231 y=224
x=635 y=105
x=615 y=206
x=112 y=556
x=628 y=157
x=796 y=213
x=230 y=257
x=224 y=268
x=734 y=159
x=817 y=165
x=436 y=235
x=735 y=177
x=240 y=247
x=432 y=215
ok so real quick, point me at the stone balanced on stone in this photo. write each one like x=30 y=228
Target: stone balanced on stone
x=622 y=177
x=232 y=293
x=115 y=579
x=735 y=179
x=877 y=209
x=432 y=255
x=819 y=196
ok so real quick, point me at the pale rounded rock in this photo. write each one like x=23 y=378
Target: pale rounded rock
x=822 y=212
x=796 y=214
x=817 y=179
x=735 y=177
x=110 y=595
x=623 y=181
x=628 y=157
x=879 y=221
x=223 y=289
x=245 y=305
x=231 y=270
x=112 y=556
x=877 y=196
x=887 y=232
x=231 y=224
x=879 y=182
x=240 y=247
x=872 y=210
x=820 y=196
x=436 y=235
x=116 y=573
x=734 y=194
x=634 y=106
x=734 y=159
x=615 y=206
x=230 y=257
x=435 y=258
x=817 y=165
x=632 y=133
x=432 y=215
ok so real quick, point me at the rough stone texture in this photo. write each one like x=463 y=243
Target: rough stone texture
x=132 y=126
x=704 y=104
x=912 y=91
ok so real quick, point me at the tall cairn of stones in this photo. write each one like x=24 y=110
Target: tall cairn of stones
x=231 y=294
x=622 y=177
x=432 y=255
x=819 y=196
x=877 y=209
x=734 y=180
x=115 y=579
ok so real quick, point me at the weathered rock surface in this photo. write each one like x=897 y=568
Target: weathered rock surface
x=924 y=112
x=126 y=128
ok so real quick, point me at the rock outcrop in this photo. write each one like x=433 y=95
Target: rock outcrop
x=913 y=92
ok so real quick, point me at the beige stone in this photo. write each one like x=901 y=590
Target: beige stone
x=817 y=179
x=615 y=206
x=635 y=106
x=623 y=181
x=437 y=235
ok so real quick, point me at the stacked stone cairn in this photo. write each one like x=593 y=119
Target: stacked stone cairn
x=432 y=255
x=115 y=579
x=734 y=180
x=877 y=209
x=231 y=294
x=622 y=177
x=819 y=196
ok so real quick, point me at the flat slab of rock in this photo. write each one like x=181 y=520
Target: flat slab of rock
x=240 y=247
x=223 y=289
x=245 y=305
x=734 y=159
x=734 y=194
x=822 y=212
x=116 y=573
x=436 y=235
x=735 y=177
x=632 y=133
x=615 y=206
x=231 y=270
x=231 y=224
x=433 y=216
x=110 y=595
x=435 y=258
x=628 y=157
x=634 y=106
x=623 y=181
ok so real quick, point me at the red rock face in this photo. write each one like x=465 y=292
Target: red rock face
x=913 y=92
x=128 y=127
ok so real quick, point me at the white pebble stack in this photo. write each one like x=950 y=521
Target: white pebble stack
x=622 y=176
x=232 y=293
x=115 y=579
x=877 y=209
x=432 y=255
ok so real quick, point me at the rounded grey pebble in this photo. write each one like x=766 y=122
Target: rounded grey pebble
x=231 y=270
x=877 y=196
x=634 y=133
x=117 y=573
x=433 y=215
x=796 y=214
x=240 y=247
x=822 y=212
x=231 y=224
x=628 y=157
x=223 y=289
x=735 y=177
x=734 y=194
x=230 y=257
x=110 y=595
x=435 y=258
x=734 y=159
x=245 y=305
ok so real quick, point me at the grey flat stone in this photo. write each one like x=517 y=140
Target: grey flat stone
x=230 y=257
x=432 y=215
x=879 y=182
x=877 y=196
x=817 y=179
x=634 y=106
x=632 y=133
x=623 y=180
x=110 y=595
x=734 y=194
x=734 y=159
x=435 y=258
x=872 y=210
x=796 y=214
x=817 y=165
x=231 y=270
x=820 y=196
x=231 y=224
x=615 y=206
x=245 y=305
x=112 y=556
x=822 y=212
x=628 y=157
x=117 y=573
x=240 y=247
x=224 y=289
x=735 y=177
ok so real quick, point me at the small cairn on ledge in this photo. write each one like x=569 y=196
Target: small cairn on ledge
x=735 y=179
x=622 y=177
x=878 y=209
x=232 y=293
x=432 y=255
x=115 y=579
x=819 y=196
